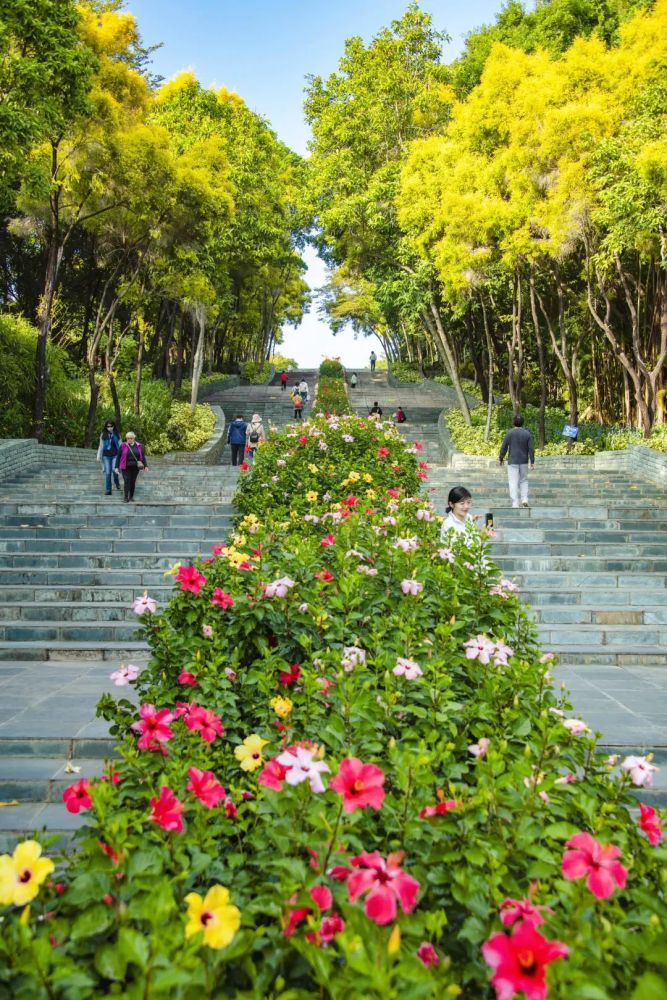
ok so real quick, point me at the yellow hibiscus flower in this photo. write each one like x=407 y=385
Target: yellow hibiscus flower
x=213 y=914
x=354 y=477
x=249 y=753
x=282 y=706
x=311 y=495
x=313 y=468
x=22 y=873
x=367 y=477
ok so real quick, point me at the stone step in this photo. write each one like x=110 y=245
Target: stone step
x=67 y=611
x=138 y=545
x=81 y=595
x=578 y=654
x=566 y=582
x=56 y=650
x=579 y=614
x=86 y=631
x=118 y=560
x=102 y=510
x=69 y=578
x=46 y=536
x=576 y=550
x=33 y=817
x=580 y=564
x=655 y=597
x=553 y=635
x=42 y=778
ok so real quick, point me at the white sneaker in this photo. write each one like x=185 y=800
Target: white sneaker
x=515 y=504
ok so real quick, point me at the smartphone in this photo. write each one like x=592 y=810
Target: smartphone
x=488 y=520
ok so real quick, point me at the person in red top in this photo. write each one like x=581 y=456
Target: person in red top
x=283 y=380
x=132 y=461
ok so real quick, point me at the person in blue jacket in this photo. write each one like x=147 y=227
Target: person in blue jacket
x=108 y=452
x=236 y=433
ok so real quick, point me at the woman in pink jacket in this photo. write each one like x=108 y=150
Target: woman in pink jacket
x=132 y=461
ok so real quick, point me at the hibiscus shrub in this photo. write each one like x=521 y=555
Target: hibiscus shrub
x=348 y=775
x=332 y=396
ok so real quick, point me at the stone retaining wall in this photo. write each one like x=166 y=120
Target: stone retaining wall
x=638 y=462
x=210 y=453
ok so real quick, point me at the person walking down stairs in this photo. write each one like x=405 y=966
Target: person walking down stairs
x=236 y=434
x=132 y=461
x=108 y=452
x=255 y=435
x=353 y=381
x=373 y=358
x=519 y=443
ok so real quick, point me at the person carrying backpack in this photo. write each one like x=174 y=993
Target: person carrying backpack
x=108 y=452
x=255 y=435
x=236 y=438
x=298 y=406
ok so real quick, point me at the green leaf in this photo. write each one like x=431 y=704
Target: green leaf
x=110 y=962
x=135 y=946
x=92 y=921
x=650 y=987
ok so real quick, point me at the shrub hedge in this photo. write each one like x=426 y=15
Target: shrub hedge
x=349 y=776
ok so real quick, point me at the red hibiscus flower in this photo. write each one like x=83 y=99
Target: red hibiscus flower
x=244 y=466
x=205 y=722
x=77 y=797
x=217 y=550
x=649 y=822
x=383 y=452
x=185 y=677
x=324 y=576
x=331 y=925
x=230 y=809
x=440 y=809
x=245 y=565
x=322 y=898
x=385 y=882
x=205 y=786
x=427 y=954
x=423 y=465
x=327 y=540
x=596 y=862
x=359 y=784
x=421 y=475
x=166 y=810
x=222 y=599
x=519 y=961
x=419 y=446
x=303 y=439
x=272 y=775
x=290 y=676
x=190 y=578
x=350 y=501
x=392 y=492
x=153 y=726
x=512 y=910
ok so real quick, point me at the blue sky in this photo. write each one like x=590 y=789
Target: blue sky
x=264 y=49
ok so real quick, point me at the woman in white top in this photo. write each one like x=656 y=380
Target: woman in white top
x=254 y=435
x=458 y=516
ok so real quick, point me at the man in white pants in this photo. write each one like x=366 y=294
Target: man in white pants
x=519 y=442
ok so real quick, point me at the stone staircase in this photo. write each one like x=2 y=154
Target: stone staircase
x=71 y=563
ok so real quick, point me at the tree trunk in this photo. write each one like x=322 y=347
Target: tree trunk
x=136 y=402
x=179 y=354
x=45 y=311
x=198 y=354
x=490 y=353
x=540 y=355
x=440 y=336
x=89 y=435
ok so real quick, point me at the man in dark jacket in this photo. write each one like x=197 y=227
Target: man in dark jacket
x=236 y=438
x=519 y=443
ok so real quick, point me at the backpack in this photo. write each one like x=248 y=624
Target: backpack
x=298 y=402
x=254 y=437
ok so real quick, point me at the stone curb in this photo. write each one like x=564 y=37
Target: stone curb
x=210 y=452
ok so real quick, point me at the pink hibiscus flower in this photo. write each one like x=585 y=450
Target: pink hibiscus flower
x=272 y=775
x=519 y=961
x=153 y=726
x=385 y=882
x=427 y=954
x=596 y=862
x=512 y=910
x=205 y=722
x=222 y=599
x=166 y=810
x=185 y=677
x=77 y=796
x=205 y=786
x=649 y=822
x=190 y=578
x=360 y=784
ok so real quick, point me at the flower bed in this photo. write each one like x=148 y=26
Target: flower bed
x=331 y=396
x=349 y=775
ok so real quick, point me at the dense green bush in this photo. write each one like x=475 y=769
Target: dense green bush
x=332 y=368
x=469 y=387
x=592 y=437
x=255 y=374
x=331 y=396
x=405 y=675
x=66 y=402
x=405 y=371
